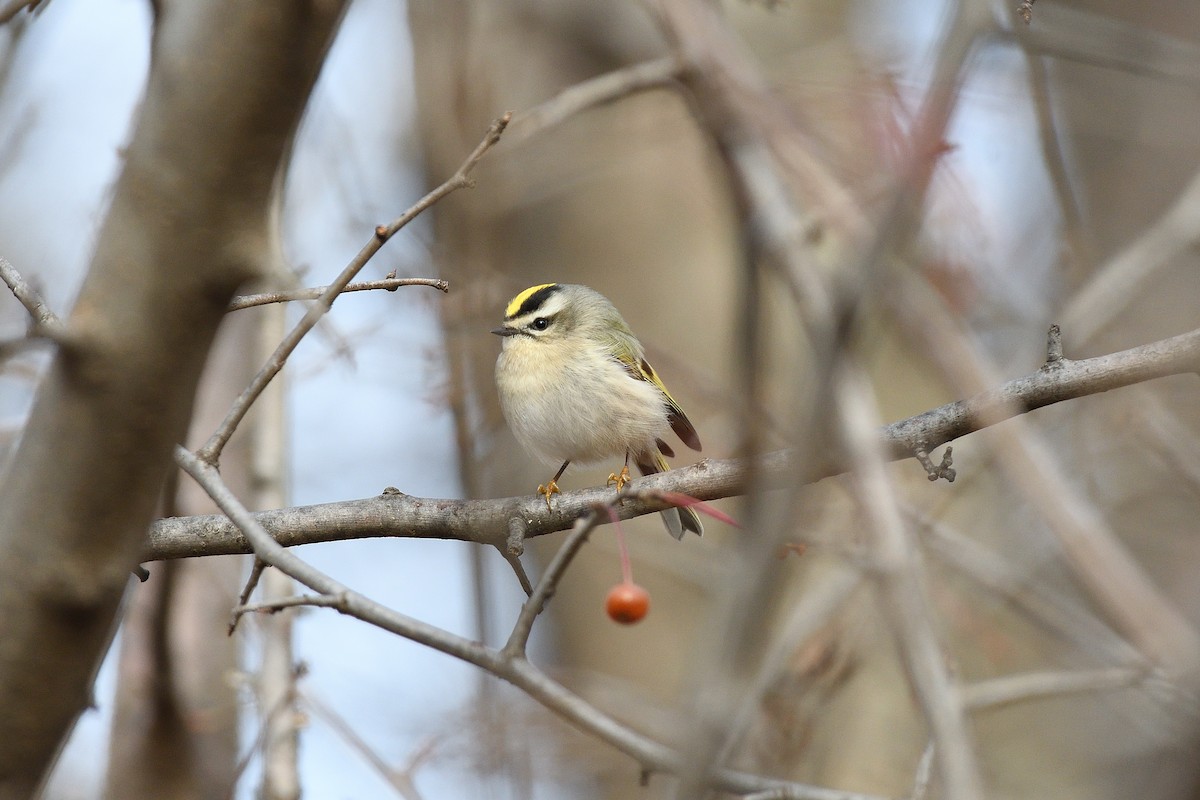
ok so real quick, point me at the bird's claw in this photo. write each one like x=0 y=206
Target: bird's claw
x=620 y=479
x=548 y=490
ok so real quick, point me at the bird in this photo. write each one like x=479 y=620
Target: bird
x=575 y=387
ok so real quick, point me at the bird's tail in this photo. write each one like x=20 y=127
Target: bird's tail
x=677 y=520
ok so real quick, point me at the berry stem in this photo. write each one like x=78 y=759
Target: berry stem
x=626 y=563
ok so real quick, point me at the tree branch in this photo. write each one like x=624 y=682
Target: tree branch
x=487 y=521
x=44 y=322
x=546 y=586
x=598 y=91
x=315 y=293
x=1028 y=686
x=505 y=664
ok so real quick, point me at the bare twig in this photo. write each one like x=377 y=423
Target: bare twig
x=1079 y=240
x=923 y=773
x=1175 y=443
x=518 y=570
x=652 y=755
x=597 y=91
x=486 y=521
x=1118 y=282
x=549 y=582
x=45 y=323
x=942 y=470
x=256 y=572
x=283 y=705
x=291 y=601
x=315 y=293
x=1039 y=685
x=211 y=451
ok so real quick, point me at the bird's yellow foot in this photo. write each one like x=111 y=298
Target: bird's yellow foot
x=620 y=479
x=548 y=490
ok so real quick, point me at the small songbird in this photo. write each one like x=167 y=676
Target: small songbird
x=575 y=386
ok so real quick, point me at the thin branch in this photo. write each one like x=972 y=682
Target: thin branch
x=519 y=570
x=486 y=521
x=1079 y=239
x=45 y=323
x=1122 y=279
x=256 y=572
x=923 y=773
x=1174 y=442
x=282 y=706
x=1039 y=685
x=211 y=451
x=544 y=590
x=598 y=91
x=315 y=293
x=291 y=601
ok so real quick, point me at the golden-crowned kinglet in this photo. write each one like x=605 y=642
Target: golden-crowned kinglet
x=575 y=386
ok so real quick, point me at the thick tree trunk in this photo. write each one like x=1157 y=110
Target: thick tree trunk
x=188 y=224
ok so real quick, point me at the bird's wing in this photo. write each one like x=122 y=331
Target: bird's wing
x=638 y=367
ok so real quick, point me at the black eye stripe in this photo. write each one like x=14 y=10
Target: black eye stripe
x=535 y=300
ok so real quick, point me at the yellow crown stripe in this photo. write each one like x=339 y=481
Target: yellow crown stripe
x=515 y=304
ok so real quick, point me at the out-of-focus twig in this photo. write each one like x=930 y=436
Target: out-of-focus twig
x=14 y=7
x=1174 y=442
x=1039 y=685
x=902 y=598
x=1074 y=33
x=1116 y=283
x=598 y=91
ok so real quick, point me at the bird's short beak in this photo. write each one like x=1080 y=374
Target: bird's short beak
x=504 y=330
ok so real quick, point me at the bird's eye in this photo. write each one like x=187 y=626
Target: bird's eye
x=540 y=324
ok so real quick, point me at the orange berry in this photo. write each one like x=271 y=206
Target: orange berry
x=627 y=603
